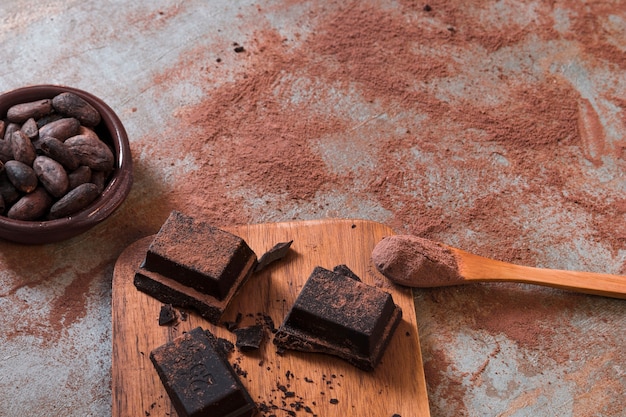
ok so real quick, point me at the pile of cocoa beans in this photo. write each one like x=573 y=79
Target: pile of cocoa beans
x=52 y=162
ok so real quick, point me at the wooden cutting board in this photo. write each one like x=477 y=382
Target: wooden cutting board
x=302 y=383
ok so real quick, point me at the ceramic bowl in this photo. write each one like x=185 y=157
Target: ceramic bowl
x=111 y=131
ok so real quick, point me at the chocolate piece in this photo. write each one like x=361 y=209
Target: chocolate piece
x=198 y=255
x=225 y=346
x=232 y=325
x=341 y=316
x=345 y=271
x=198 y=379
x=167 y=315
x=249 y=338
x=277 y=252
x=193 y=264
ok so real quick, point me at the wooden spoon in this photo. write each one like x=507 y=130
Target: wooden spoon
x=416 y=262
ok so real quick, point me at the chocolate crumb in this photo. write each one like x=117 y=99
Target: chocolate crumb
x=232 y=325
x=225 y=346
x=334 y=401
x=167 y=315
x=249 y=338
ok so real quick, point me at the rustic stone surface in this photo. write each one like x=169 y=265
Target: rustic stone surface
x=496 y=127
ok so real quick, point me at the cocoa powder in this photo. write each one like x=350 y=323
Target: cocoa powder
x=481 y=131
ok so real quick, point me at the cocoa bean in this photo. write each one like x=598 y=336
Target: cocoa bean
x=74 y=106
x=30 y=128
x=22 y=176
x=48 y=119
x=19 y=113
x=8 y=132
x=3 y=126
x=100 y=179
x=60 y=129
x=74 y=201
x=9 y=193
x=51 y=175
x=83 y=130
x=58 y=151
x=91 y=152
x=31 y=206
x=79 y=176
x=6 y=151
x=23 y=149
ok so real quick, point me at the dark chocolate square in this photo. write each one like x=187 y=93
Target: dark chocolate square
x=198 y=255
x=340 y=315
x=191 y=264
x=198 y=379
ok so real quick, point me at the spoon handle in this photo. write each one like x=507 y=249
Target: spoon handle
x=480 y=269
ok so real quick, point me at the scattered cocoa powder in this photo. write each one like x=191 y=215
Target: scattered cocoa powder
x=479 y=135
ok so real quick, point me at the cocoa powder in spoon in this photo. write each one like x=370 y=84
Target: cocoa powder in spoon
x=416 y=262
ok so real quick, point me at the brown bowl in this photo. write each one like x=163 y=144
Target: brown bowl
x=111 y=131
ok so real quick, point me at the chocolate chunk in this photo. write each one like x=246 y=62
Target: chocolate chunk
x=345 y=271
x=341 y=316
x=199 y=380
x=198 y=255
x=192 y=264
x=225 y=346
x=232 y=325
x=249 y=338
x=277 y=252
x=167 y=315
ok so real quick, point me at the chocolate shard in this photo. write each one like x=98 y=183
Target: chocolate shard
x=191 y=264
x=277 y=252
x=167 y=315
x=198 y=378
x=341 y=316
x=249 y=338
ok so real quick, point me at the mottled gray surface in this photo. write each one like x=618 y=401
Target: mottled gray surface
x=55 y=300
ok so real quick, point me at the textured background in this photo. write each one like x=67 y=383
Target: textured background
x=493 y=126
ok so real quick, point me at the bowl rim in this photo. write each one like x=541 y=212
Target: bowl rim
x=111 y=197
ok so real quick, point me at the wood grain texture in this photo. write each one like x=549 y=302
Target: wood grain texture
x=475 y=268
x=397 y=386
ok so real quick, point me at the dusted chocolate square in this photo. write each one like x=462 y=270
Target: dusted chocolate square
x=198 y=379
x=198 y=255
x=339 y=315
x=192 y=264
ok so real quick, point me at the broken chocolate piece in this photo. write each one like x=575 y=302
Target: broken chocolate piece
x=167 y=315
x=277 y=252
x=198 y=379
x=225 y=346
x=192 y=264
x=344 y=270
x=232 y=325
x=249 y=338
x=341 y=316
